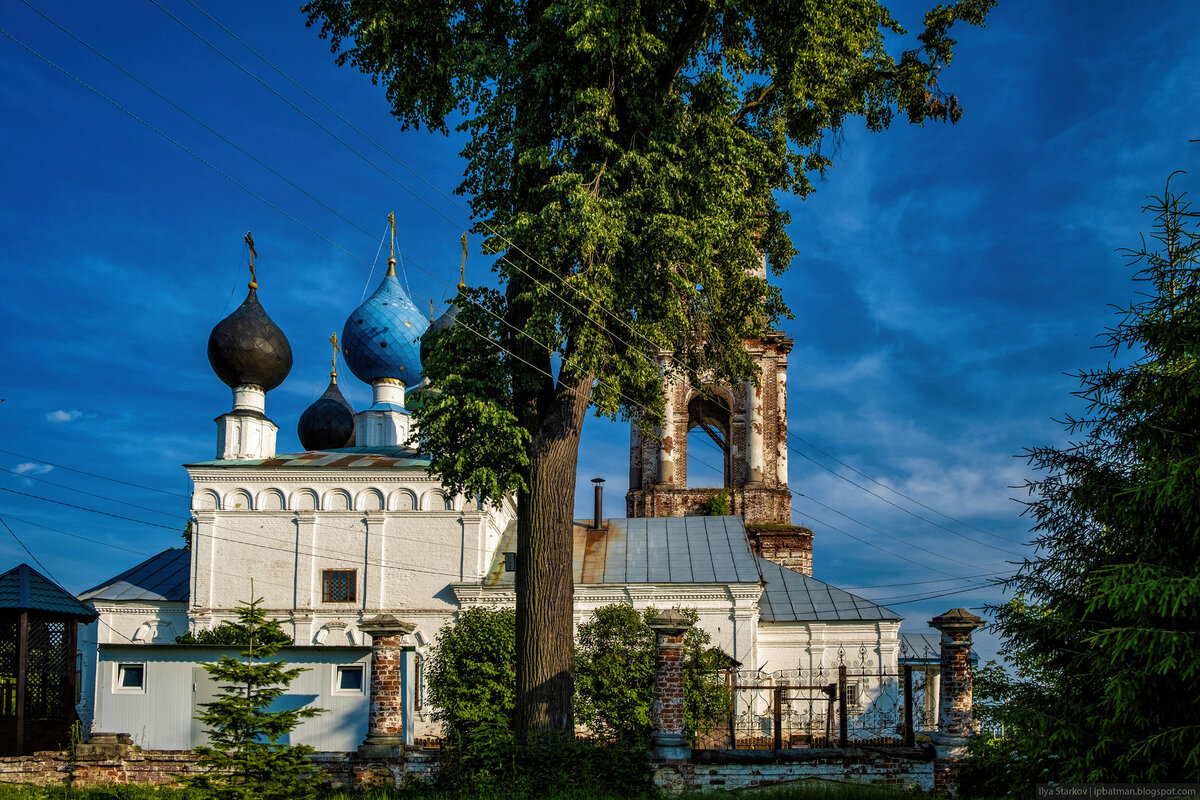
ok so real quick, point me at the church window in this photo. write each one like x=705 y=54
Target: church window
x=131 y=679
x=348 y=679
x=338 y=586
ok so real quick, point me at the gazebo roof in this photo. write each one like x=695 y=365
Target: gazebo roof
x=23 y=587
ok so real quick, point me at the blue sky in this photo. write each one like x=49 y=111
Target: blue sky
x=947 y=277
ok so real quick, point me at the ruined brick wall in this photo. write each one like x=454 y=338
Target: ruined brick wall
x=755 y=506
x=734 y=770
x=790 y=548
x=164 y=767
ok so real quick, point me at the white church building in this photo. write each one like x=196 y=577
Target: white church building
x=356 y=527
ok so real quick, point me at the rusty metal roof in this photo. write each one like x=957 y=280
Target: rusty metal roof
x=697 y=550
x=340 y=458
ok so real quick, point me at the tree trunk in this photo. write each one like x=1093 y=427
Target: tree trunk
x=545 y=583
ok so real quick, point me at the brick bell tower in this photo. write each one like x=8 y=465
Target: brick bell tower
x=749 y=425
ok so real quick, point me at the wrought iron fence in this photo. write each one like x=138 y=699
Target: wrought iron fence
x=855 y=700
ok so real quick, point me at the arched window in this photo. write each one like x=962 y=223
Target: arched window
x=708 y=441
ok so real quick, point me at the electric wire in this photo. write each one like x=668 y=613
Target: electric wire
x=344 y=250
x=89 y=494
x=347 y=252
x=94 y=475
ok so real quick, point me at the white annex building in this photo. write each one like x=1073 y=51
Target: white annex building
x=355 y=527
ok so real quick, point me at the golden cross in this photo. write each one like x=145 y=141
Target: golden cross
x=333 y=341
x=253 y=254
x=392 y=221
x=462 y=271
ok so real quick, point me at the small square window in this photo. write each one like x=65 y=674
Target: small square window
x=348 y=679
x=338 y=586
x=131 y=678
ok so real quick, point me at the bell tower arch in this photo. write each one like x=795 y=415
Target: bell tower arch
x=748 y=424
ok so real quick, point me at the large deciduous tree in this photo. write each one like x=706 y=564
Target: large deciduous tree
x=1105 y=629
x=622 y=157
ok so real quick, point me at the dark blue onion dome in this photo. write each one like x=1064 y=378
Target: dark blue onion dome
x=382 y=337
x=248 y=348
x=329 y=422
x=446 y=320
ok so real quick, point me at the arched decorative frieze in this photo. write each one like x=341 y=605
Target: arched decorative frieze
x=337 y=500
x=334 y=634
x=369 y=500
x=206 y=500
x=434 y=500
x=155 y=630
x=402 y=500
x=270 y=500
x=238 y=500
x=303 y=500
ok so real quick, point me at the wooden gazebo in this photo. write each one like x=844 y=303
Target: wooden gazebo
x=38 y=623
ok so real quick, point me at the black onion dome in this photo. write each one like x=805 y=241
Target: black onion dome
x=328 y=423
x=248 y=348
x=446 y=320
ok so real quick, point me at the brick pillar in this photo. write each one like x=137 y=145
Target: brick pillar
x=668 y=741
x=385 y=725
x=956 y=723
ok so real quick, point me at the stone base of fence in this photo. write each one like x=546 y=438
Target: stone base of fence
x=109 y=766
x=710 y=770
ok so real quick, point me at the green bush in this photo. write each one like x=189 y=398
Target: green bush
x=717 y=506
x=232 y=634
x=614 y=675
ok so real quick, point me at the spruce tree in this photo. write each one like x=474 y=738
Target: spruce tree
x=1105 y=627
x=246 y=760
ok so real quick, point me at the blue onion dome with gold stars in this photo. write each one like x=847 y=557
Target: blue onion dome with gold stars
x=329 y=422
x=382 y=337
x=247 y=347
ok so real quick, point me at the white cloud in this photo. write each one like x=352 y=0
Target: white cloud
x=29 y=468
x=64 y=416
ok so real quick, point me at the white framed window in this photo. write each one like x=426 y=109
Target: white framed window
x=349 y=679
x=129 y=678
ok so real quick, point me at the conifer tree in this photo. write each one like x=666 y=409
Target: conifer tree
x=1105 y=628
x=246 y=760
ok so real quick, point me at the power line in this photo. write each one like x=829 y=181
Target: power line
x=83 y=538
x=89 y=494
x=92 y=510
x=331 y=242
x=92 y=474
x=898 y=492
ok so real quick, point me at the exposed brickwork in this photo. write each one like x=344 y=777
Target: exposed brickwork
x=735 y=770
x=667 y=714
x=755 y=506
x=164 y=767
x=955 y=720
x=790 y=548
x=756 y=432
x=387 y=680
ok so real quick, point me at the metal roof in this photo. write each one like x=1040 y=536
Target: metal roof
x=342 y=457
x=696 y=550
x=794 y=597
x=160 y=578
x=23 y=587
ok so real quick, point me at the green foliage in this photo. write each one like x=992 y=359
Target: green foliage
x=624 y=157
x=1103 y=630
x=717 y=505
x=246 y=760
x=614 y=675
x=472 y=684
x=236 y=634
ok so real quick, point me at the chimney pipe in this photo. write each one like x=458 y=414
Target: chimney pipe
x=598 y=522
